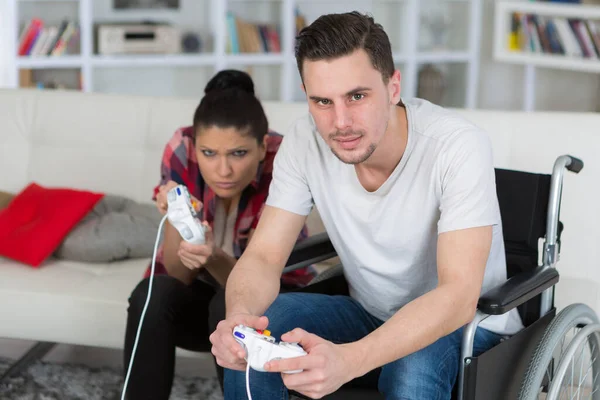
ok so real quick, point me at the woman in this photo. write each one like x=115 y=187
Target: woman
x=225 y=159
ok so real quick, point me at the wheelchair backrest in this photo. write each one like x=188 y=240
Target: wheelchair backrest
x=523 y=199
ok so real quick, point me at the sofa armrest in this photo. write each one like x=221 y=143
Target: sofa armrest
x=517 y=290
x=310 y=251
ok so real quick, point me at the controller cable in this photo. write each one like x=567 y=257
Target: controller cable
x=139 y=330
x=248 y=380
x=137 y=337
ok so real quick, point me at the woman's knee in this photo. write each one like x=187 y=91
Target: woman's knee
x=216 y=309
x=162 y=288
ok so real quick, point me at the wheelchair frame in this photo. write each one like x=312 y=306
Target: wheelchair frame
x=476 y=381
x=544 y=286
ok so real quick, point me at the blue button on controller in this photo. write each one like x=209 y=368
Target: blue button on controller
x=239 y=334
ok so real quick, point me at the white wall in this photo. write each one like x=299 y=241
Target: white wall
x=3 y=45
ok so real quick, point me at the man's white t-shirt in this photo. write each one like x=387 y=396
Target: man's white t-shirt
x=387 y=239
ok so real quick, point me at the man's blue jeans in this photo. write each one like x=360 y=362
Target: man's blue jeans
x=427 y=374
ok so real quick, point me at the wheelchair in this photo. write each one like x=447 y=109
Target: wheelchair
x=556 y=355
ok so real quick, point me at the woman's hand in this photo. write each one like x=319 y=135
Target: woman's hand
x=195 y=256
x=161 y=198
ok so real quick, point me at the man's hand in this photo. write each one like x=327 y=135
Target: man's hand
x=326 y=367
x=195 y=256
x=227 y=351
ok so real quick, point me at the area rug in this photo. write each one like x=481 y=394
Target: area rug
x=49 y=381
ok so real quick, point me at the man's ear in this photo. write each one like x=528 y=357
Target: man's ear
x=395 y=87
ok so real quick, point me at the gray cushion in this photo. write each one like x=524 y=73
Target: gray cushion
x=117 y=228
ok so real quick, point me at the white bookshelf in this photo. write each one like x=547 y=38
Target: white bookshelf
x=400 y=18
x=70 y=61
x=532 y=60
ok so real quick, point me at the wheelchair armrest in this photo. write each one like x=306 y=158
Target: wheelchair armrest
x=311 y=250
x=517 y=290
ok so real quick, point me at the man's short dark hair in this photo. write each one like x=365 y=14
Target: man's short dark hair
x=336 y=35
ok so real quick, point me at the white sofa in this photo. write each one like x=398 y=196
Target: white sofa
x=113 y=144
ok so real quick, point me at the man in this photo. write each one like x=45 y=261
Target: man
x=406 y=191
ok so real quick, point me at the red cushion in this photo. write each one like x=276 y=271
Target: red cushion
x=37 y=220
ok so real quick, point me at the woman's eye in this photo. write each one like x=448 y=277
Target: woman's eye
x=357 y=96
x=240 y=153
x=208 y=153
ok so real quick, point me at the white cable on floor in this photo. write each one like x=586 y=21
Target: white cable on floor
x=137 y=337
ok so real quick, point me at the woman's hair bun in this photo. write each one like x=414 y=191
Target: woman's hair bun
x=230 y=79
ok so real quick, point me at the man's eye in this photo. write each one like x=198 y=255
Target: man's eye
x=240 y=153
x=208 y=153
x=357 y=96
x=323 y=102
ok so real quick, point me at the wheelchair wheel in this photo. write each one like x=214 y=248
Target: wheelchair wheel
x=567 y=359
x=567 y=374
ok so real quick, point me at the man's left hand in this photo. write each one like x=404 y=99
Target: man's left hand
x=326 y=367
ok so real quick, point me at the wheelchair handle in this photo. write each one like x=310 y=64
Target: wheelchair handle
x=575 y=164
x=550 y=255
x=563 y=162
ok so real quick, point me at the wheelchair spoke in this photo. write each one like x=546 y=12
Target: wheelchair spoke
x=566 y=394
x=580 y=372
x=583 y=378
x=595 y=386
x=572 y=376
x=580 y=379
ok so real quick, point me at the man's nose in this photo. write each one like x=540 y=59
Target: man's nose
x=343 y=117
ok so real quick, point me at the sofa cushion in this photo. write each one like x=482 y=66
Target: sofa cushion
x=117 y=228
x=67 y=301
x=35 y=222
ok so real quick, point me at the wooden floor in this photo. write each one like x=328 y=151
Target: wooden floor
x=585 y=393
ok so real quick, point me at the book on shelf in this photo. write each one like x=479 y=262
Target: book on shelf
x=246 y=37
x=537 y=34
x=39 y=39
x=300 y=20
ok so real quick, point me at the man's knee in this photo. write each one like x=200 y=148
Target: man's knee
x=428 y=373
x=289 y=311
x=281 y=313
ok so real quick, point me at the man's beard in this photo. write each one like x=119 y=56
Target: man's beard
x=357 y=158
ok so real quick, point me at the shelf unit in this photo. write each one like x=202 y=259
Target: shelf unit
x=407 y=54
x=502 y=26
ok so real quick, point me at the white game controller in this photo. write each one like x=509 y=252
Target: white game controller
x=182 y=215
x=261 y=347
